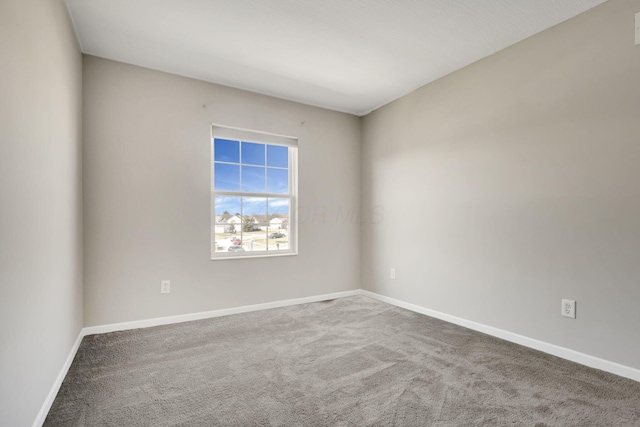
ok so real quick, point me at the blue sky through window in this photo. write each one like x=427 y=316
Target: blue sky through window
x=229 y=204
x=254 y=206
x=226 y=151
x=227 y=177
x=278 y=206
x=277 y=156
x=253 y=154
x=248 y=173
x=253 y=179
x=277 y=181
x=251 y=205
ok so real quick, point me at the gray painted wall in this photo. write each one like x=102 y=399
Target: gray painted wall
x=495 y=192
x=147 y=196
x=40 y=202
x=513 y=183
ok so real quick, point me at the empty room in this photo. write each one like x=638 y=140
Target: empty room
x=319 y=213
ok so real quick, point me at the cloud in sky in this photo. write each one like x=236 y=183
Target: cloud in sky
x=251 y=205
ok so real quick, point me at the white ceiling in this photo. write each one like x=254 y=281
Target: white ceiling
x=346 y=55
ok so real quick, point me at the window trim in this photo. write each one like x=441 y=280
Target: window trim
x=246 y=135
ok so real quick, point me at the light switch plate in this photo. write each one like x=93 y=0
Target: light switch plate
x=637 y=28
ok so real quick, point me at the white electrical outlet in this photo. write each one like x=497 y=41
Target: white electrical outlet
x=569 y=308
x=637 y=28
x=165 y=286
x=392 y=273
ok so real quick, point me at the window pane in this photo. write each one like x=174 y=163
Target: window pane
x=227 y=177
x=228 y=222
x=256 y=240
x=252 y=153
x=253 y=179
x=254 y=229
x=226 y=151
x=244 y=219
x=279 y=239
x=278 y=224
x=277 y=181
x=278 y=208
x=277 y=156
x=254 y=207
x=226 y=207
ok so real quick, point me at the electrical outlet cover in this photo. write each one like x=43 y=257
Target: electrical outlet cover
x=637 y=28
x=569 y=308
x=165 y=286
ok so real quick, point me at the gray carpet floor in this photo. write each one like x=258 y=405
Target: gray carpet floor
x=348 y=362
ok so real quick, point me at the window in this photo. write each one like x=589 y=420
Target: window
x=253 y=194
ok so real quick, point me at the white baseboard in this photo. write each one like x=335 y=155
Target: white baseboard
x=46 y=406
x=210 y=314
x=565 y=353
x=562 y=352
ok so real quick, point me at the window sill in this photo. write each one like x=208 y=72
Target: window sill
x=224 y=256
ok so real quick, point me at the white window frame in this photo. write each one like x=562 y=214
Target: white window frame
x=245 y=135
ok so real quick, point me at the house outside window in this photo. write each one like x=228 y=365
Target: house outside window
x=253 y=194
